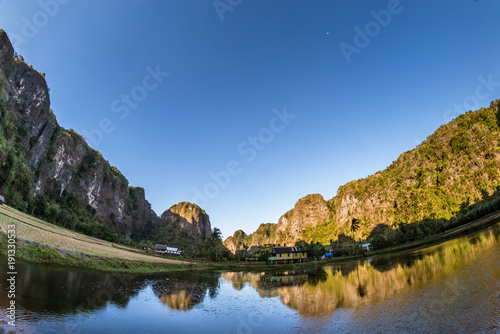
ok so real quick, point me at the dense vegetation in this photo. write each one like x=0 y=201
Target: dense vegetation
x=446 y=181
x=434 y=184
x=17 y=179
x=15 y=174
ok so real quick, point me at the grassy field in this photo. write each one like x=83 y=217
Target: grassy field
x=39 y=241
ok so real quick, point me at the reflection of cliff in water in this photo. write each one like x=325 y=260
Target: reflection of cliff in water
x=384 y=277
x=47 y=293
x=183 y=291
x=348 y=285
x=45 y=290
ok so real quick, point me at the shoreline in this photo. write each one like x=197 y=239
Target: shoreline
x=31 y=251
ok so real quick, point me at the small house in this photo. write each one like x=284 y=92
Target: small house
x=162 y=249
x=283 y=255
x=366 y=247
x=2 y=200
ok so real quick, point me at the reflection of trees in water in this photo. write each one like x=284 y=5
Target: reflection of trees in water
x=57 y=291
x=346 y=268
x=322 y=290
x=183 y=291
x=362 y=291
x=44 y=290
x=350 y=284
x=275 y=279
x=288 y=286
x=316 y=276
x=495 y=231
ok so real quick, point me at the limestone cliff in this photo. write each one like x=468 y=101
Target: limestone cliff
x=190 y=218
x=455 y=167
x=60 y=160
x=308 y=212
x=52 y=172
x=184 y=225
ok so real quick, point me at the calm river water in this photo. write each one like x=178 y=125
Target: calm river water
x=453 y=287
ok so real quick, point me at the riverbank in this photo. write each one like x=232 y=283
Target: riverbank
x=459 y=231
x=41 y=242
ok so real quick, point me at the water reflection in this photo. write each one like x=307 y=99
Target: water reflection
x=183 y=291
x=323 y=290
x=459 y=277
x=57 y=291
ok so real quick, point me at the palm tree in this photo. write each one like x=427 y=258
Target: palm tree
x=213 y=245
x=216 y=236
x=354 y=226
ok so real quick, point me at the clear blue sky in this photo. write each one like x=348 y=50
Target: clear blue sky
x=358 y=99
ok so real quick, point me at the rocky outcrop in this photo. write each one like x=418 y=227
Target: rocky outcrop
x=190 y=218
x=236 y=242
x=232 y=244
x=61 y=160
x=455 y=167
x=28 y=99
x=308 y=212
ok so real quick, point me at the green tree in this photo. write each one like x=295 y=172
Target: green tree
x=265 y=251
x=213 y=247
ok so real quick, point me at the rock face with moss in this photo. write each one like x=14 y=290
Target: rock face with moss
x=58 y=161
x=236 y=242
x=184 y=225
x=52 y=172
x=456 y=166
x=190 y=218
x=308 y=212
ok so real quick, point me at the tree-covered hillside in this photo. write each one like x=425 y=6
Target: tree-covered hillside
x=454 y=168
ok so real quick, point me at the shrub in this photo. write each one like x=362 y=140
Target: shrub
x=378 y=242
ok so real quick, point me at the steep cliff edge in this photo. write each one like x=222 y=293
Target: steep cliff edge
x=59 y=161
x=455 y=167
x=308 y=212
x=183 y=225
x=189 y=217
x=52 y=172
